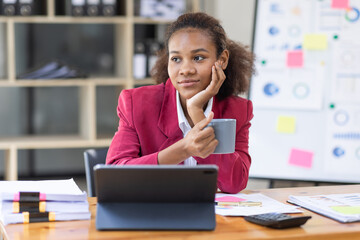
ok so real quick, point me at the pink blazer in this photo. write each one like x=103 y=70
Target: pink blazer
x=149 y=123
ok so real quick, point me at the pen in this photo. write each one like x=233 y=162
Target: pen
x=239 y=204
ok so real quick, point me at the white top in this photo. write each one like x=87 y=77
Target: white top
x=185 y=126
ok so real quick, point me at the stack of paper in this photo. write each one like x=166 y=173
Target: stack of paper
x=249 y=204
x=41 y=201
x=341 y=207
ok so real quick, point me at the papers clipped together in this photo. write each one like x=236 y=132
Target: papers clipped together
x=42 y=201
x=242 y=204
x=341 y=207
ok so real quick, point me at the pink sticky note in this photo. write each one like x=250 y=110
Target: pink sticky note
x=295 y=59
x=340 y=4
x=301 y=158
x=42 y=196
x=229 y=199
x=16 y=197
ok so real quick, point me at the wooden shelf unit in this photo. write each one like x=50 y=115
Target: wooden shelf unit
x=87 y=137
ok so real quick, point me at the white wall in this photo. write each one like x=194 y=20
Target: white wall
x=236 y=17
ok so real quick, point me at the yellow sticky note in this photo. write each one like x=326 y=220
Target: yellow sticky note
x=286 y=124
x=347 y=209
x=315 y=42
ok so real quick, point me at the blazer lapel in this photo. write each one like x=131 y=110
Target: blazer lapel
x=216 y=108
x=168 y=120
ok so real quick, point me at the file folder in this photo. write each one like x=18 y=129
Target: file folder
x=8 y=7
x=53 y=69
x=41 y=71
x=155 y=197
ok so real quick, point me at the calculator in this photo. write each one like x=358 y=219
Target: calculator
x=277 y=220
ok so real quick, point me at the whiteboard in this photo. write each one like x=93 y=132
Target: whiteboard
x=306 y=93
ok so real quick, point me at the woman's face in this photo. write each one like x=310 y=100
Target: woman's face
x=191 y=56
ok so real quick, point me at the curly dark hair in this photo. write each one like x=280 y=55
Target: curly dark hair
x=241 y=60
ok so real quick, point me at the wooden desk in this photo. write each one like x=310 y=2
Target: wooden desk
x=227 y=228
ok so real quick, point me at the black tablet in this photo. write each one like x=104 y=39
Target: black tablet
x=155 y=197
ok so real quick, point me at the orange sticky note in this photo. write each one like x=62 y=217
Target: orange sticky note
x=340 y=4
x=301 y=158
x=295 y=59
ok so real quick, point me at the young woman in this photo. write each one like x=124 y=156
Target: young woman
x=200 y=73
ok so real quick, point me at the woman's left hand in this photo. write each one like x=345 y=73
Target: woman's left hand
x=196 y=103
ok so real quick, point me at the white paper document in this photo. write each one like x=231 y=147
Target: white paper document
x=42 y=201
x=341 y=207
x=263 y=204
x=58 y=216
x=53 y=190
x=67 y=186
x=7 y=207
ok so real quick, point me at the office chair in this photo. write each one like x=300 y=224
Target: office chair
x=91 y=158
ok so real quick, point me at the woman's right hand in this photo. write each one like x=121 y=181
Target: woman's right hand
x=200 y=141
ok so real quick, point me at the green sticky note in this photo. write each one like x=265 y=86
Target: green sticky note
x=347 y=209
x=286 y=124
x=315 y=41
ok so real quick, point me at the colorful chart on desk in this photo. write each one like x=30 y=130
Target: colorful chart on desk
x=306 y=92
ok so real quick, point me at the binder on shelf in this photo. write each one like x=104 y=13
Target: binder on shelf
x=8 y=7
x=93 y=8
x=26 y=7
x=108 y=8
x=139 y=61
x=153 y=48
x=75 y=8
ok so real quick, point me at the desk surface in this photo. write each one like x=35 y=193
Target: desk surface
x=226 y=227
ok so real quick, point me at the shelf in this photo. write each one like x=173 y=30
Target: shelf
x=143 y=20
x=68 y=113
x=44 y=142
x=62 y=82
x=146 y=81
x=65 y=19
